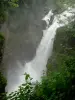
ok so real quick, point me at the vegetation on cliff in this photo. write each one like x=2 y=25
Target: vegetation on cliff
x=59 y=84
x=5 y=5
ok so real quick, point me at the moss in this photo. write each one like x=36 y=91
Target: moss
x=64 y=47
x=63 y=61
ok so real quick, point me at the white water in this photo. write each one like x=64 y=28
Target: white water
x=38 y=64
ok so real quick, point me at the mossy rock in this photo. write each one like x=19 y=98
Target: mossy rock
x=63 y=48
x=64 y=41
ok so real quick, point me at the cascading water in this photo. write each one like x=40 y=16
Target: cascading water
x=38 y=64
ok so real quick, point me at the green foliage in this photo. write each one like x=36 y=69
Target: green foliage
x=65 y=3
x=65 y=40
x=62 y=5
x=3 y=83
x=13 y=3
x=63 y=60
x=5 y=5
x=24 y=91
x=64 y=47
x=56 y=86
x=59 y=84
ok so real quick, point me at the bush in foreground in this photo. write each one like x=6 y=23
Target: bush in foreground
x=56 y=86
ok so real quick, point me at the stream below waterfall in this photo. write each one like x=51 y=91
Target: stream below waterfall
x=36 y=66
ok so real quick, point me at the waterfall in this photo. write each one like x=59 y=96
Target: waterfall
x=38 y=64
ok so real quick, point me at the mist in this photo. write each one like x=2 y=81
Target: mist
x=23 y=32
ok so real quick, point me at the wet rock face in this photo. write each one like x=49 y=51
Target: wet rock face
x=24 y=35
x=25 y=31
x=44 y=24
